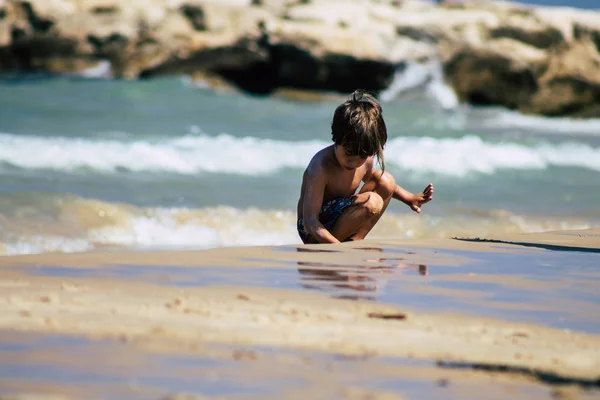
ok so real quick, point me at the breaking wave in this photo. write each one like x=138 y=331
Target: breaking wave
x=224 y=153
x=69 y=224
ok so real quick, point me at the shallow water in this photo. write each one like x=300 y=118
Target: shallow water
x=555 y=288
x=72 y=361
x=83 y=368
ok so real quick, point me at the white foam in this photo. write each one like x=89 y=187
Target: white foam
x=412 y=76
x=443 y=94
x=515 y=120
x=102 y=70
x=252 y=156
x=156 y=232
x=428 y=75
x=162 y=228
x=470 y=154
x=159 y=228
x=206 y=228
x=184 y=155
x=39 y=244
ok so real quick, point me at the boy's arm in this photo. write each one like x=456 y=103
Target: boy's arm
x=414 y=201
x=316 y=181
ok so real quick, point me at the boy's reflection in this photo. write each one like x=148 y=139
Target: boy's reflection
x=354 y=282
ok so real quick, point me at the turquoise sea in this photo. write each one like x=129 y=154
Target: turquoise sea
x=589 y=4
x=90 y=164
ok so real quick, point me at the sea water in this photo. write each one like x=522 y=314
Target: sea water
x=90 y=164
x=589 y=4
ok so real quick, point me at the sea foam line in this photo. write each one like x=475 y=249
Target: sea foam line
x=152 y=228
x=160 y=228
x=224 y=153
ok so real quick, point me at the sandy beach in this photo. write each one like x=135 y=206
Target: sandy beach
x=152 y=159
x=448 y=316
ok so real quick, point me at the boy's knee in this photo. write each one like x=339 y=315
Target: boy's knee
x=373 y=205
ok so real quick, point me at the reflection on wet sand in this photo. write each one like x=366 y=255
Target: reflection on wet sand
x=353 y=282
x=340 y=284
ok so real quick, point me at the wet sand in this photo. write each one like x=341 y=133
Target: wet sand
x=411 y=319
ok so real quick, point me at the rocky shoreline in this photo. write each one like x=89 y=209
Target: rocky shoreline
x=535 y=60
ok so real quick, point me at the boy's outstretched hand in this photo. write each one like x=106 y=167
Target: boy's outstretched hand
x=421 y=198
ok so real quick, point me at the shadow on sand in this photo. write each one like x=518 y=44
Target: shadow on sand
x=554 y=247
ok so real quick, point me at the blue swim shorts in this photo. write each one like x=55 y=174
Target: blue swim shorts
x=329 y=214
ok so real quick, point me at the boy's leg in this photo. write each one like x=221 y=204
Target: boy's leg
x=382 y=183
x=360 y=217
x=364 y=207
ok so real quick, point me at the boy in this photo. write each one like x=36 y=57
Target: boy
x=329 y=210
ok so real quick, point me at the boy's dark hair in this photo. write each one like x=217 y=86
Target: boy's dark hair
x=358 y=125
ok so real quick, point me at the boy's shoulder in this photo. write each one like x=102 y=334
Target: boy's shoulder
x=321 y=162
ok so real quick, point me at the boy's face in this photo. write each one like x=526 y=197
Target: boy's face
x=346 y=160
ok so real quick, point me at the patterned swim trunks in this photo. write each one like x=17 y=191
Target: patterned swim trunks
x=329 y=214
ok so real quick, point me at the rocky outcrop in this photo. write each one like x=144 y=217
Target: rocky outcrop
x=536 y=60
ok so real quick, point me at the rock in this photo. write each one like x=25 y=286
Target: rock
x=568 y=20
x=454 y=26
x=528 y=31
x=535 y=57
x=334 y=13
x=314 y=56
x=308 y=49
x=488 y=78
x=529 y=60
x=570 y=85
x=536 y=60
x=5 y=34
